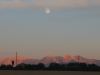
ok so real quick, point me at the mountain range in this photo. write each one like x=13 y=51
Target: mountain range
x=50 y=59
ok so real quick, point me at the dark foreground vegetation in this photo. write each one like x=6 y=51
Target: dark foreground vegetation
x=52 y=67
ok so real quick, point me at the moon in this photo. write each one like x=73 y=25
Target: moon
x=47 y=11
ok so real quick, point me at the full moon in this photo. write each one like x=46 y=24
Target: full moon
x=47 y=11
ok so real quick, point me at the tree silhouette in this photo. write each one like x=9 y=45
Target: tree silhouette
x=12 y=63
x=55 y=66
x=52 y=67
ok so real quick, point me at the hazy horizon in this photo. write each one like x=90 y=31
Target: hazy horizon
x=50 y=27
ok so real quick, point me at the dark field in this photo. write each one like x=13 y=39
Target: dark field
x=47 y=73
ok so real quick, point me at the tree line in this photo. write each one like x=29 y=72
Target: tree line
x=52 y=67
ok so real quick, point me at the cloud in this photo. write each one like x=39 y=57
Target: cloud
x=14 y=4
x=62 y=3
x=53 y=4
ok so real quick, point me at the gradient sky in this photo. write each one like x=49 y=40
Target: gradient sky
x=72 y=27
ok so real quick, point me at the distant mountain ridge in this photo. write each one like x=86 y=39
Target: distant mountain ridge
x=50 y=59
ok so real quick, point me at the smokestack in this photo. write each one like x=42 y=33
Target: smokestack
x=16 y=57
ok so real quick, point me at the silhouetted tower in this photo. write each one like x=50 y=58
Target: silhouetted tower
x=16 y=57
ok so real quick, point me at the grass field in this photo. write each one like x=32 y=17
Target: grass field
x=47 y=73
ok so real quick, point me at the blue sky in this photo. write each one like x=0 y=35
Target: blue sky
x=66 y=30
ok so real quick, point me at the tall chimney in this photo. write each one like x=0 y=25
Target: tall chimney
x=16 y=58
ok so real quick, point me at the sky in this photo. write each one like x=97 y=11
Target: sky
x=70 y=27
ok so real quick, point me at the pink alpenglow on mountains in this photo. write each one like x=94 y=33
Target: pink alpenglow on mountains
x=50 y=59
